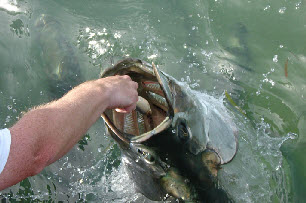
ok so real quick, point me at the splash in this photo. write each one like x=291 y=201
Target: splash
x=105 y=44
x=9 y=5
x=258 y=172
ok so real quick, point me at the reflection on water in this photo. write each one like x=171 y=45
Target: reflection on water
x=241 y=47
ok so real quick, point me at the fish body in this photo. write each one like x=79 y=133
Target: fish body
x=173 y=149
x=57 y=55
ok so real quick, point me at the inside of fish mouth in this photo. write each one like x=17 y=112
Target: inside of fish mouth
x=141 y=120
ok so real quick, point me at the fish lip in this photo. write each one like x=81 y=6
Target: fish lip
x=164 y=88
x=161 y=127
x=125 y=64
x=124 y=139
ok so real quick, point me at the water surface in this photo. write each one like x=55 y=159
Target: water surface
x=238 y=47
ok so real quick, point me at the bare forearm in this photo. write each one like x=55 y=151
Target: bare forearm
x=46 y=133
x=57 y=126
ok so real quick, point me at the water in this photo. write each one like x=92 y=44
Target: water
x=240 y=47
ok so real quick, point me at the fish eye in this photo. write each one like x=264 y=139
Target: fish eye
x=183 y=131
x=150 y=158
x=140 y=151
x=147 y=156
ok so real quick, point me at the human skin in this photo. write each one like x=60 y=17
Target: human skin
x=46 y=133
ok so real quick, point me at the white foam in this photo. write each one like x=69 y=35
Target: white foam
x=9 y=5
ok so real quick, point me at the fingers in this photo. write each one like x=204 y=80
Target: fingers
x=123 y=93
x=126 y=109
x=135 y=85
x=126 y=77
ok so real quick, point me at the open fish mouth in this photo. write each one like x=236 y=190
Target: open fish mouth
x=153 y=113
x=164 y=104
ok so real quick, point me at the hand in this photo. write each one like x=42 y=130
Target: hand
x=122 y=93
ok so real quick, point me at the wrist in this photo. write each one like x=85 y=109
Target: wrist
x=104 y=91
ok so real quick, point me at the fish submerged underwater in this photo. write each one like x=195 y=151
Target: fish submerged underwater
x=57 y=56
x=170 y=149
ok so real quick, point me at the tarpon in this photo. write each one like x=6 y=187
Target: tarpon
x=57 y=55
x=168 y=147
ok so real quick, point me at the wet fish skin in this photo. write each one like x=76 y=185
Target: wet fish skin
x=182 y=154
x=145 y=172
x=200 y=182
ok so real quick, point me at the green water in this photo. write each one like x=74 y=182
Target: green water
x=213 y=46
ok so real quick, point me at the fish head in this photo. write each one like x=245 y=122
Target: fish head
x=164 y=141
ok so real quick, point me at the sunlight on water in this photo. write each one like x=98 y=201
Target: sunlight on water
x=108 y=44
x=9 y=5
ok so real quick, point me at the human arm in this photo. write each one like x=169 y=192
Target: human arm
x=46 y=133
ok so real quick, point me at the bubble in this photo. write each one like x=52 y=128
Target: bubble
x=117 y=35
x=91 y=35
x=298 y=5
x=8 y=119
x=267 y=7
x=282 y=10
x=152 y=56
